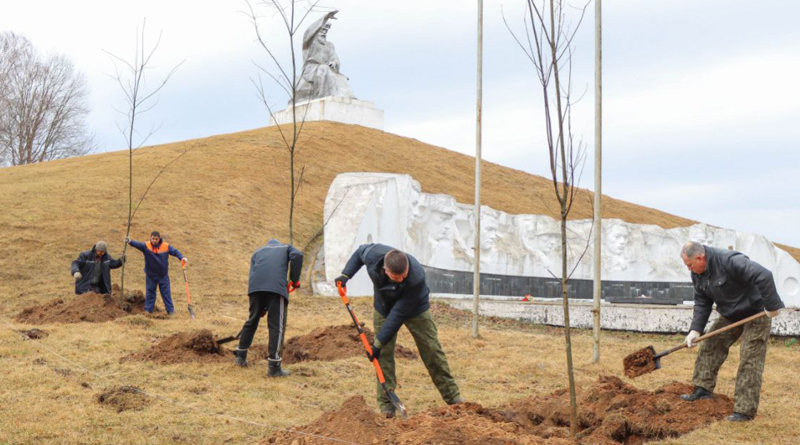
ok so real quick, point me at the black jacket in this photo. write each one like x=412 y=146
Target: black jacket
x=396 y=301
x=85 y=264
x=270 y=265
x=739 y=287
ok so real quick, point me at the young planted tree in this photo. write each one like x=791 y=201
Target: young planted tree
x=548 y=45
x=43 y=105
x=139 y=99
x=287 y=78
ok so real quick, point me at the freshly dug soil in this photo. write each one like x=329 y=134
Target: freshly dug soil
x=34 y=334
x=610 y=412
x=123 y=398
x=329 y=343
x=639 y=363
x=90 y=307
x=184 y=347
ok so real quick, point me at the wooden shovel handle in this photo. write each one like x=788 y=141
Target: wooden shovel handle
x=713 y=333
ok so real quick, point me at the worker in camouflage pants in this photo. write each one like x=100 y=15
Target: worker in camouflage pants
x=740 y=288
x=401 y=297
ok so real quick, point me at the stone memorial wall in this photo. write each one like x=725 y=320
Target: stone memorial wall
x=521 y=254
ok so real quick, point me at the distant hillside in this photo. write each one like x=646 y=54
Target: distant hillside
x=226 y=196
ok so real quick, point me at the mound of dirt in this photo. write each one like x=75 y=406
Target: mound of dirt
x=123 y=398
x=610 y=412
x=639 y=363
x=90 y=307
x=34 y=334
x=183 y=347
x=329 y=343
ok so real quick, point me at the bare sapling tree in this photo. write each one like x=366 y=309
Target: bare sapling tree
x=285 y=76
x=548 y=44
x=130 y=75
x=43 y=105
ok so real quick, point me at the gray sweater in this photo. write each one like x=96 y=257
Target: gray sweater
x=270 y=265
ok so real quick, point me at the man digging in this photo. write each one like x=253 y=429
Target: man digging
x=156 y=270
x=92 y=270
x=401 y=298
x=740 y=288
x=269 y=294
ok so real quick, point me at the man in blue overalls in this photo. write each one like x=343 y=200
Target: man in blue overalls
x=156 y=269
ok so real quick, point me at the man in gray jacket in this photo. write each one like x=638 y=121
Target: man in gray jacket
x=740 y=288
x=269 y=294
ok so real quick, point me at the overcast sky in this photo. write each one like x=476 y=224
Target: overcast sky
x=701 y=98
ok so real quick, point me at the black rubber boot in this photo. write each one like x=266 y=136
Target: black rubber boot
x=738 y=417
x=275 y=369
x=698 y=394
x=241 y=357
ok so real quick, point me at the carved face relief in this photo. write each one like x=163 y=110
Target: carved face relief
x=438 y=226
x=616 y=239
x=488 y=232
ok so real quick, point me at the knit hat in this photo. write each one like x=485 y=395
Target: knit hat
x=101 y=246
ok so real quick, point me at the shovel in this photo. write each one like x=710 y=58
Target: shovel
x=188 y=296
x=389 y=393
x=646 y=360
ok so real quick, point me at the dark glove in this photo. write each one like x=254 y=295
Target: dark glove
x=376 y=353
x=343 y=280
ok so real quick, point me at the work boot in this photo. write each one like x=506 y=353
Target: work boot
x=698 y=394
x=388 y=412
x=275 y=369
x=738 y=417
x=456 y=401
x=241 y=357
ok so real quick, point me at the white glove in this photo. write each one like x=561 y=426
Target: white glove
x=693 y=335
x=77 y=276
x=127 y=240
x=772 y=314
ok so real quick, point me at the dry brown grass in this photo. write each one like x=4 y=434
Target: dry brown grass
x=46 y=399
x=216 y=204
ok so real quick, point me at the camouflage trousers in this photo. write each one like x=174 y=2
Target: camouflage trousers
x=714 y=351
x=426 y=336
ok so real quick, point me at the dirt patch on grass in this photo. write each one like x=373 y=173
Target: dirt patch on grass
x=34 y=334
x=640 y=362
x=89 y=307
x=184 y=347
x=610 y=412
x=329 y=343
x=124 y=398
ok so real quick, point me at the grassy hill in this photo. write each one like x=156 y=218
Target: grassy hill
x=226 y=196
x=218 y=202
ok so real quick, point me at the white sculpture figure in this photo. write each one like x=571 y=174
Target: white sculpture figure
x=321 y=76
x=615 y=240
x=542 y=241
x=701 y=233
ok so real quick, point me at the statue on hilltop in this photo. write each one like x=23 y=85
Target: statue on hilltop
x=321 y=76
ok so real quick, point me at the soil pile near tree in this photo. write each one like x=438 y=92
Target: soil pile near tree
x=610 y=412
x=89 y=307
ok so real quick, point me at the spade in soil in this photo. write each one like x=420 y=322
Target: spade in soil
x=646 y=360
x=389 y=393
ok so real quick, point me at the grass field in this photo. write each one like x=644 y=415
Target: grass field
x=223 y=198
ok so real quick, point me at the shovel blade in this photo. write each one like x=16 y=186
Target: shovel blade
x=398 y=405
x=191 y=311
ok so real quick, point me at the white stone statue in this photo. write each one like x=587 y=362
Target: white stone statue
x=321 y=76
x=439 y=232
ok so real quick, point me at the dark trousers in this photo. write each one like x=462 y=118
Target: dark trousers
x=276 y=307
x=150 y=293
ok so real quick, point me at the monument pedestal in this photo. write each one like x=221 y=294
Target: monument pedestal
x=332 y=108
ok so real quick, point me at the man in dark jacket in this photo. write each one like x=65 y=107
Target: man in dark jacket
x=92 y=270
x=401 y=298
x=740 y=288
x=268 y=292
x=156 y=269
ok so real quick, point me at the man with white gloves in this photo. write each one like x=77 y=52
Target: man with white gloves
x=740 y=288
